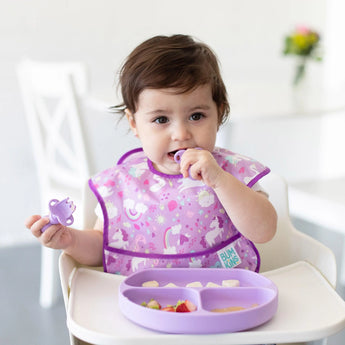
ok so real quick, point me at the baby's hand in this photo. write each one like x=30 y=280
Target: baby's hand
x=201 y=165
x=55 y=236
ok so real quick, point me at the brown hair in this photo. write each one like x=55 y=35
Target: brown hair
x=175 y=61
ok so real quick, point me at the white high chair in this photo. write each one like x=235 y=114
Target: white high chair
x=303 y=269
x=50 y=93
x=290 y=245
x=322 y=202
x=320 y=198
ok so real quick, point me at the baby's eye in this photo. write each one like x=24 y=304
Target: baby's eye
x=196 y=116
x=161 y=120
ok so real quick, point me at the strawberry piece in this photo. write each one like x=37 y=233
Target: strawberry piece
x=185 y=306
x=182 y=308
x=191 y=306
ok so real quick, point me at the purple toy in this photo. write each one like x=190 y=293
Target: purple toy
x=179 y=153
x=178 y=156
x=60 y=212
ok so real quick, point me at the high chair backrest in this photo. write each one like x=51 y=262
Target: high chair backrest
x=289 y=244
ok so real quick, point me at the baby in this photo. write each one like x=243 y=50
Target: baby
x=206 y=209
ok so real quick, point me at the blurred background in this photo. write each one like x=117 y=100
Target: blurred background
x=248 y=37
x=298 y=137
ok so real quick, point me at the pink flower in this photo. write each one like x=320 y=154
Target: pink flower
x=302 y=29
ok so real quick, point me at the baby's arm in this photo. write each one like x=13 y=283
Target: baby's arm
x=85 y=246
x=250 y=211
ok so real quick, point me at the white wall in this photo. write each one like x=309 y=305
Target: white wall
x=335 y=44
x=247 y=36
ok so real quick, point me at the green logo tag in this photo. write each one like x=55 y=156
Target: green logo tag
x=229 y=257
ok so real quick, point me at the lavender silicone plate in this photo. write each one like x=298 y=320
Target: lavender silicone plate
x=256 y=294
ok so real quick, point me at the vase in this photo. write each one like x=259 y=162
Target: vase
x=301 y=85
x=300 y=71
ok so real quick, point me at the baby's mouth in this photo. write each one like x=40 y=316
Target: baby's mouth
x=171 y=154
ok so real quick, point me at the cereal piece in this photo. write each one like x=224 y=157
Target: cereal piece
x=211 y=284
x=170 y=285
x=231 y=283
x=194 y=284
x=150 y=283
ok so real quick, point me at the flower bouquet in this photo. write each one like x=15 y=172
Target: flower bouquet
x=305 y=44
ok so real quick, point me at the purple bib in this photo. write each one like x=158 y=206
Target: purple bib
x=158 y=220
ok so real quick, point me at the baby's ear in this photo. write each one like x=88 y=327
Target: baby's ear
x=220 y=115
x=131 y=120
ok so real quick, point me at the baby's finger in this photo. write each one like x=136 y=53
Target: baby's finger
x=36 y=228
x=195 y=172
x=52 y=237
x=184 y=169
x=31 y=220
x=49 y=233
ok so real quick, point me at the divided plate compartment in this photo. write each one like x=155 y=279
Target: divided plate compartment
x=256 y=294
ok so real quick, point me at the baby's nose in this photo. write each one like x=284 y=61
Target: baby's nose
x=181 y=133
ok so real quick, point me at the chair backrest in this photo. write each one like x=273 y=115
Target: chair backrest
x=273 y=253
x=50 y=93
x=289 y=244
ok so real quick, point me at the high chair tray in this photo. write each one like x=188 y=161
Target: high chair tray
x=219 y=308
x=308 y=309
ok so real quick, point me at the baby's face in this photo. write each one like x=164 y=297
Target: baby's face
x=166 y=122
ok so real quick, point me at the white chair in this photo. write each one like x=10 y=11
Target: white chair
x=289 y=245
x=320 y=197
x=321 y=202
x=50 y=93
x=67 y=265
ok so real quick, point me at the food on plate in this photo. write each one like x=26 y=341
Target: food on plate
x=170 y=285
x=194 y=284
x=184 y=306
x=231 y=283
x=227 y=309
x=152 y=304
x=211 y=284
x=150 y=283
x=230 y=309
